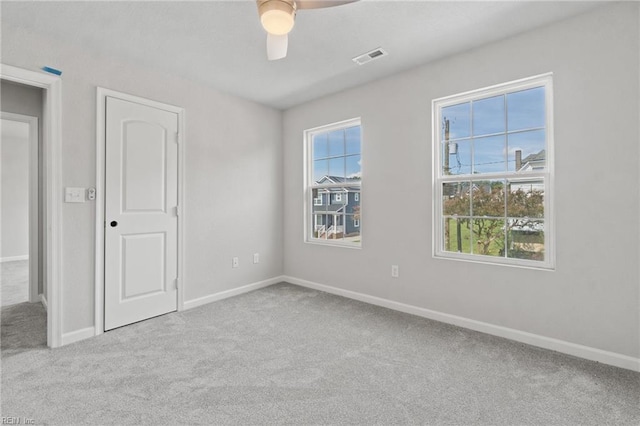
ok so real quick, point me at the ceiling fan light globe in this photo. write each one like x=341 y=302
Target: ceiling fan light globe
x=277 y=21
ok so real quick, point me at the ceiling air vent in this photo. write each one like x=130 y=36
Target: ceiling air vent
x=370 y=56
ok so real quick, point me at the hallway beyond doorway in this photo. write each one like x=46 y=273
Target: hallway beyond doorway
x=14 y=280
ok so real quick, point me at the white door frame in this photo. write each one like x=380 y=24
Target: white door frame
x=52 y=152
x=32 y=122
x=101 y=111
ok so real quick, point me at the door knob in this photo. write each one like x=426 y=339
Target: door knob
x=114 y=224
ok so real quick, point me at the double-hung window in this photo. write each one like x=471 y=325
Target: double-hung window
x=492 y=174
x=334 y=176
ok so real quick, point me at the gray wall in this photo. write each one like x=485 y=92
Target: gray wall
x=26 y=100
x=592 y=297
x=233 y=171
x=20 y=99
x=14 y=180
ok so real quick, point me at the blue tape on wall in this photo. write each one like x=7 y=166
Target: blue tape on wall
x=52 y=70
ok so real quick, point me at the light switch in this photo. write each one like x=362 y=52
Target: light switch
x=74 y=195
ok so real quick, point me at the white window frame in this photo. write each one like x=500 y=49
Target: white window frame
x=356 y=223
x=338 y=196
x=317 y=201
x=309 y=183
x=547 y=176
x=356 y=196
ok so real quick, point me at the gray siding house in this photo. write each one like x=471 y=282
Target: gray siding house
x=336 y=210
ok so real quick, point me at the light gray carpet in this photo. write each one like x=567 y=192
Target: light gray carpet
x=289 y=355
x=14 y=282
x=24 y=327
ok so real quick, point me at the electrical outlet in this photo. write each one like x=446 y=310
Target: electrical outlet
x=395 y=271
x=256 y=257
x=235 y=262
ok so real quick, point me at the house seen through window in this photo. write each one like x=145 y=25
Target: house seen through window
x=333 y=184
x=493 y=174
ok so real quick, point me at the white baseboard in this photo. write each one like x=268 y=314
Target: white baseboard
x=581 y=351
x=14 y=258
x=43 y=300
x=230 y=293
x=76 y=336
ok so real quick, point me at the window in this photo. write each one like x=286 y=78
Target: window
x=317 y=201
x=493 y=171
x=333 y=155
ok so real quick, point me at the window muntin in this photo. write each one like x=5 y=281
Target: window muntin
x=334 y=176
x=492 y=175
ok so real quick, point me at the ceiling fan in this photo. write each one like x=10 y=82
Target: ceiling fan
x=278 y=17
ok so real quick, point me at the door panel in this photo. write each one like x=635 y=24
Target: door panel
x=141 y=195
x=143 y=265
x=144 y=161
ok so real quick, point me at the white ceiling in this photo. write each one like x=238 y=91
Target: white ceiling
x=221 y=43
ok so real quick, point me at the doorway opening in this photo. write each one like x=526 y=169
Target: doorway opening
x=31 y=104
x=21 y=217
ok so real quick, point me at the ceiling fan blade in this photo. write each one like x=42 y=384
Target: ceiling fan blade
x=319 y=4
x=277 y=46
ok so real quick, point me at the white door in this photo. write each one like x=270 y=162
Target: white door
x=141 y=226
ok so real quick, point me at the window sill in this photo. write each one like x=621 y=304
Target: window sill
x=334 y=244
x=496 y=261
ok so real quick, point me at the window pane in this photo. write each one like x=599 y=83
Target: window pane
x=488 y=154
x=459 y=118
x=488 y=116
x=488 y=236
x=526 y=109
x=336 y=143
x=319 y=200
x=488 y=198
x=336 y=167
x=526 y=239
x=456 y=158
x=335 y=226
x=354 y=202
x=457 y=235
x=354 y=167
x=320 y=169
x=338 y=197
x=455 y=199
x=320 y=146
x=525 y=199
x=319 y=226
x=352 y=228
x=532 y=155
x=352 y=139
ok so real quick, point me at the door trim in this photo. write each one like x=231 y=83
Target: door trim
x=33 y=237
x=52 y=151
x=101 y=111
